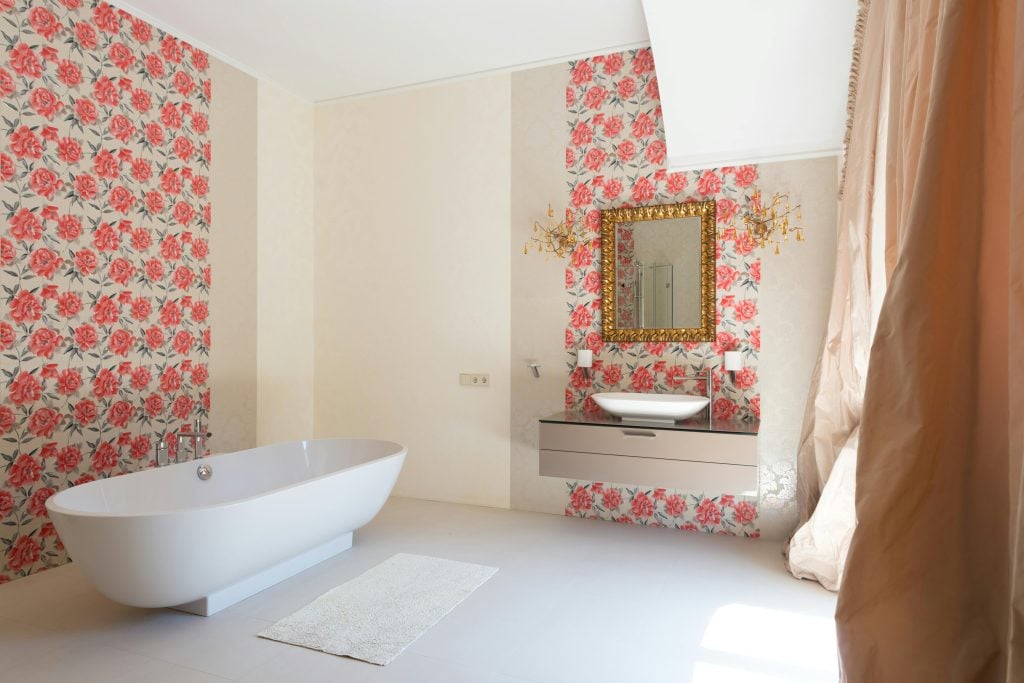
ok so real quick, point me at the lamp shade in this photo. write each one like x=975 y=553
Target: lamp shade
x=733 y=361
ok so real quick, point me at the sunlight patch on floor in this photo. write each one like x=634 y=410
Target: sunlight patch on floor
x=758 y=635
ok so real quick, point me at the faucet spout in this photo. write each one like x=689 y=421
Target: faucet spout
x=198 y=436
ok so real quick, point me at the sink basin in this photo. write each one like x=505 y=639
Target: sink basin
x=664 y=407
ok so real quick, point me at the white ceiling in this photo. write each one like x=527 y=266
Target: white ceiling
x=328 y=49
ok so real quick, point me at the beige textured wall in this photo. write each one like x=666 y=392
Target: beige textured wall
x=796 y=287
x=412 y=281
x=284 y=202
x=409 y=293
x=233 y=260
x=538 y=284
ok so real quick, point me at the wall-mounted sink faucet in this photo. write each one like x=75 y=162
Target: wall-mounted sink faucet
x=198 y=436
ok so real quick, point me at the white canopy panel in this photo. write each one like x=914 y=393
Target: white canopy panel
x=751 y=81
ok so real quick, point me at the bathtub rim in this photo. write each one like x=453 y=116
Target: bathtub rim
x=53 y=506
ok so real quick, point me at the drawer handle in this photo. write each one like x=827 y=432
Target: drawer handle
x=632 y=434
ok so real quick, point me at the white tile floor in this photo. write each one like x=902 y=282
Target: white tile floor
x=574 y=600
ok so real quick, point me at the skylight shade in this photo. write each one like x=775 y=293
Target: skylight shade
x=751 y=81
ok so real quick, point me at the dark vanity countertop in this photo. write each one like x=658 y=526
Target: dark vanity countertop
x=693 y=424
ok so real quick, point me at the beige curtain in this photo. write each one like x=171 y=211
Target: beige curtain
x=867 y=247
x=834 y=409
x=1016 y=377
x=931 y=587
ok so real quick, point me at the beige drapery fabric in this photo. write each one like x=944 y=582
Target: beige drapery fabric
x=837 y=384
x=931 y=586
x=1016 y=379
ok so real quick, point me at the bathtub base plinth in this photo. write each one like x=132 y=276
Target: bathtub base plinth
x=215 y=602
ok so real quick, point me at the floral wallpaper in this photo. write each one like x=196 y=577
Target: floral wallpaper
x=627 y=276
x=615 y=156
x=104 y=329
x=722 y=514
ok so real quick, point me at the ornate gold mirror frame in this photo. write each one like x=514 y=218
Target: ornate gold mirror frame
x=610 y=218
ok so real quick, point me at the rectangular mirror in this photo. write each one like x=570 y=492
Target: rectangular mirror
x=658 y=273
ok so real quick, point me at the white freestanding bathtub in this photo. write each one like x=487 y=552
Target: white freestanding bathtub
x=165 y=538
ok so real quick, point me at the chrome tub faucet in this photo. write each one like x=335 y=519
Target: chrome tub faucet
x=197 y=436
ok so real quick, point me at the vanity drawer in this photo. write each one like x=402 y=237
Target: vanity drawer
x=676 y=474
x=641 y=442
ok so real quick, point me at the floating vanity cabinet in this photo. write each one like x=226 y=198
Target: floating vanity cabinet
x=693 y=455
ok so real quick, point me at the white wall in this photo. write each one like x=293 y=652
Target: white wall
x=284 y=201
x=413 y=284
x=233 y=376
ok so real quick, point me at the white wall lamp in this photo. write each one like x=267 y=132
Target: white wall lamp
x=733 y=364
x=585 y=361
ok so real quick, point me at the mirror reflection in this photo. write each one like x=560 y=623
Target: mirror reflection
x=658 y=271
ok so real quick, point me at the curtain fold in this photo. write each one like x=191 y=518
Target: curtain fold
x=931 y=586
x=833 y=409
x=817 y=550
x=1016 y=331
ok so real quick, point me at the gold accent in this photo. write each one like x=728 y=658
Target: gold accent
x=768 y=224
x=554 y=238
x=851 y=96
x=609 y=219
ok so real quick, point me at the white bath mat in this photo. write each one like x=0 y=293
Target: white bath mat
x=378 y=614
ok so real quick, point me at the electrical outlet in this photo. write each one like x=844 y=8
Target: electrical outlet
x=467 y=379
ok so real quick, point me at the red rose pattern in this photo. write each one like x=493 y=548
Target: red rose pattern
x=660 y=508
x=616 y=156
x=106 y=265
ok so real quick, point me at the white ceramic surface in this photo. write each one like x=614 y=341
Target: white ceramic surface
x=162 y=537
x=651 y=406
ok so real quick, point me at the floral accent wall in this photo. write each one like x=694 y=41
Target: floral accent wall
x=615 y=156
x=626 y=274
x=658 y=507
x=104 y=329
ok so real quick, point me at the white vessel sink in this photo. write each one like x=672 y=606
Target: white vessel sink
x=665 y=407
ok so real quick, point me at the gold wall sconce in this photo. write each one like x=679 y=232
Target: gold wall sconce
x=558 y=238
x=768 y=223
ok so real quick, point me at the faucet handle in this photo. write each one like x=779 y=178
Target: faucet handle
x=161 y=453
